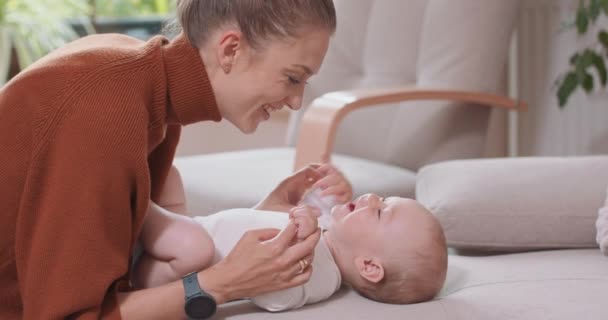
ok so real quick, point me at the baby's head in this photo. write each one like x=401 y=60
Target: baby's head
x=390 y=250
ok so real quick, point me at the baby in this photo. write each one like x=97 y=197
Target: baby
x=389 y=250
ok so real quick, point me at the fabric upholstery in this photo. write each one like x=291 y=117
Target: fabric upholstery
x=241 y=179
x=557 y=285
x=519 y=203
x=431 y=44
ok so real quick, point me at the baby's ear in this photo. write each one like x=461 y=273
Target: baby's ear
x=370 y=268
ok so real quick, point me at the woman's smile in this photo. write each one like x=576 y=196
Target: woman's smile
x=268 y=109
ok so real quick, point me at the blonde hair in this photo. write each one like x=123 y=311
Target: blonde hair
x=258 y=20
x=417 y=278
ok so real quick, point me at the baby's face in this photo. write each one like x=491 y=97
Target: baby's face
x=377 y=226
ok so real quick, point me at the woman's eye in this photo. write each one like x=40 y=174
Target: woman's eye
x=293 y=80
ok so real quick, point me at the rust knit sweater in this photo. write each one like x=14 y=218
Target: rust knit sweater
x=82 y=150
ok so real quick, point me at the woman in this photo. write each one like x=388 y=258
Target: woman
x=88 y=134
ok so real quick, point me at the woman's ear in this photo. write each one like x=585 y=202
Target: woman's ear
x=229 y=49
x=370 y=269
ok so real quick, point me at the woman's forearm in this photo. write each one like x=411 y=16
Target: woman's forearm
x=167 y=301
x=262 y=261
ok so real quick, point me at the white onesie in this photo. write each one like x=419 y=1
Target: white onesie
x=227 y=227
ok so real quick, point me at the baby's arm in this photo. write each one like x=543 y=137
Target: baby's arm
x=174 y=244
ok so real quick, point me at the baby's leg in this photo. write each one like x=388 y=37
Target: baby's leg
x=601 y=225
x=174 y=244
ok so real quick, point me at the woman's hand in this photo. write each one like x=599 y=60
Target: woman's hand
x=334 y=183
x=306 y=220
x=262 y=261
x=289 y=192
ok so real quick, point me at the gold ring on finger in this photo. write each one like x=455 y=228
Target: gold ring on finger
x=303 y=264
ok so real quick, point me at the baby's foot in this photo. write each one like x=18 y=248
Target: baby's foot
x=601 y=225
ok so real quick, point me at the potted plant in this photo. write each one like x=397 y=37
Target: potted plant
x=30 y=29
x=593 y=57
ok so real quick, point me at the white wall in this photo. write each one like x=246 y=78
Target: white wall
x=211 y=137
x=543 y=54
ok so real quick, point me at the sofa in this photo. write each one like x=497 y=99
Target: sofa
x=521 y=237
x=411 y=83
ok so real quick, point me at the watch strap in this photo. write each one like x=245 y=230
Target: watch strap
x=191 y=286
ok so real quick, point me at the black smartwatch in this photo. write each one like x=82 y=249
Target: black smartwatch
x=199 y=304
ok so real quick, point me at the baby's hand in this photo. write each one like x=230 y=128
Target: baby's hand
x=305 y=218
x=334 y=183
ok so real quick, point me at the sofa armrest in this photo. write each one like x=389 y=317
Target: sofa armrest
x=321 y=120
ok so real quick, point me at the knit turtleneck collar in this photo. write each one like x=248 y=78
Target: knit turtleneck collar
x=190 y=93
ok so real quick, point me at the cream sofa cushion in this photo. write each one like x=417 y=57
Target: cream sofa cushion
x=241 y=179
x=518 y=203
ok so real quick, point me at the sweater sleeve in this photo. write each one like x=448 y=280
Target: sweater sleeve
x=81 y=202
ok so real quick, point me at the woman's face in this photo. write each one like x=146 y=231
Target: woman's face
x=259 y=82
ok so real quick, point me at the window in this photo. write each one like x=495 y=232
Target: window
x=137 y=18
x=132 y=8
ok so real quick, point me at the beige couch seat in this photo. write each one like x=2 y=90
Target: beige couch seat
x=241 y=179
x=559 y=284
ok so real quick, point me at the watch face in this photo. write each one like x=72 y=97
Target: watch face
x=200 y=307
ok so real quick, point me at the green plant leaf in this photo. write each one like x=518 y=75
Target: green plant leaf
x=131 y=8
x=2 y=10
x=582 y=63
x=40 y=26
x=594 y=9
x=5 y=54
x=588 y=12
x=603 y=38
x=574 y=58
x=162 y=7
x=600 y=66
x=566 y=88
x=588 y=83
x=604 y=5
x=582 y=20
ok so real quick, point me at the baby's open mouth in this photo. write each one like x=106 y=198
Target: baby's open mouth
x=351 y=207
